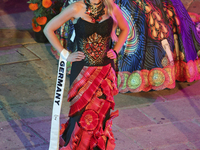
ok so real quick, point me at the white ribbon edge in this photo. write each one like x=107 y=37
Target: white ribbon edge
x=58 y=98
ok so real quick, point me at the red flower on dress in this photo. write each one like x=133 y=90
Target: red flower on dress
x=89 y=120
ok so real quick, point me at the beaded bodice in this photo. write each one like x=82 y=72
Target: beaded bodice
x=93 y=39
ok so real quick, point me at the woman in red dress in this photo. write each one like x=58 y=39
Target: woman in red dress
x=93 y=81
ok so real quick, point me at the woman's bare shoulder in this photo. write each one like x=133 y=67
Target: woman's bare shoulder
x=115 y=7
x=116 y=10
x=76 y=6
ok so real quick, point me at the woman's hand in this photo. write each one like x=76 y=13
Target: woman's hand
x=111 y=54
x=76 y=56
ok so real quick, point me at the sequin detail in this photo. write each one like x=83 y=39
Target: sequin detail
x=94 y=48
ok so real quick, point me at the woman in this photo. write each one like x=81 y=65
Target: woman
x=163 y=46
x=92 y=78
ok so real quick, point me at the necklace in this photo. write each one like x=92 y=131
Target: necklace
x=95 y=11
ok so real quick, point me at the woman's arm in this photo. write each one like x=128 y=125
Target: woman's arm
x=124 y=28
x=68 y=13
x=55 y=23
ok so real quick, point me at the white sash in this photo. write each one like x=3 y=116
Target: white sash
x=59 y=92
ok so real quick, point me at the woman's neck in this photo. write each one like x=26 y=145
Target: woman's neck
x=94 y=1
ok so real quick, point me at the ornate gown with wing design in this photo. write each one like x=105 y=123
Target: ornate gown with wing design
x=162 y=47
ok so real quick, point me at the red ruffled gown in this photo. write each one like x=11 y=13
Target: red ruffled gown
x=93 y=85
